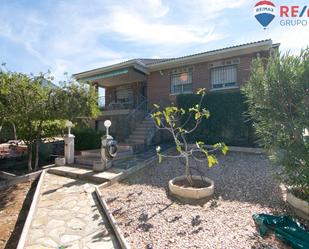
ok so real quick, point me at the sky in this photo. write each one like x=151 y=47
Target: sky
x=77 y=35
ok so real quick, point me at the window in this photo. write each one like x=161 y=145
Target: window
x=124 y=94
x=181 y=83
x=223 y=77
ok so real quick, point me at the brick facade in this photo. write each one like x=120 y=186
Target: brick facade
x=159 y=82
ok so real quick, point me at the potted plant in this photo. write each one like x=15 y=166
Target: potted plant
x=278 y=100
x=181 y=123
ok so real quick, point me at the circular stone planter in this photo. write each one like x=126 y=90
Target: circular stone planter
x=300 y=206
x=191 y=192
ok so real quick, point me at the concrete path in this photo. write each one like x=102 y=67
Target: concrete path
x=68 y=216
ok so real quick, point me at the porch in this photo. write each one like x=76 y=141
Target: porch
x=122 y=99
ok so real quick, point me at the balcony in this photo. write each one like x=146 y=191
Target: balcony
x=123 y=107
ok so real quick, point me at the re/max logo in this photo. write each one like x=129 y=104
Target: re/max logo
x=294 y=11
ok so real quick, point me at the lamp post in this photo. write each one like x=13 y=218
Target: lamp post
x=107 y=124
x=69 y=124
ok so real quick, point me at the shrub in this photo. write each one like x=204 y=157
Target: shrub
x=87 y=138
x=227 y=121
x=278 y=98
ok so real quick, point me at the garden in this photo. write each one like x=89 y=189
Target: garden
x=200 y=196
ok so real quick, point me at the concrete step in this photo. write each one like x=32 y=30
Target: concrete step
x=86 y=174
x=90 y=158
x=141 y=129
x=148 y=122
x=145 y=125
x=139 y=132
x=135 y=141
x=137 y=136
x=121 y=149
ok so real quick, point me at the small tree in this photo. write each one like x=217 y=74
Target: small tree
x=39 y=108
x=278 y=98
x=172 y=119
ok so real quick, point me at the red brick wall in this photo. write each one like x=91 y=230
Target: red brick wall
x=158 y=84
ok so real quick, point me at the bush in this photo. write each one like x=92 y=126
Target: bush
x=278 y=98
x=87 y=138
x=227 y=122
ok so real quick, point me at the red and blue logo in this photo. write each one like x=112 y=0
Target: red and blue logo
x=265 y=12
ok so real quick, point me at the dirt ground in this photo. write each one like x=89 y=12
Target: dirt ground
x=15 y=202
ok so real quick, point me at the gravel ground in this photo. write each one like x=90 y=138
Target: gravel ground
x=149 y=218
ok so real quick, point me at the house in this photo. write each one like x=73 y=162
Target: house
x=132 y=87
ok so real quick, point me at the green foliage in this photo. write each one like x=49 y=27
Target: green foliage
x=278 y=98
x=87 y=138
x=39 y=109
x=228 y=121
x=181 y=123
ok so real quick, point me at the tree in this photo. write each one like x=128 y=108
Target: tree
x=278 y=98
x=171 y=119
x=39 y=109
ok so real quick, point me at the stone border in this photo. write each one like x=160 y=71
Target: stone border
x=6 y=175
x=242 y=149
x=19 y=179
x=129 y=171
x=27 y=224
x=122 y=241
x=23 y=178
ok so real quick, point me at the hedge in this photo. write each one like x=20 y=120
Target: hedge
x=228 y=121
x=87 y=138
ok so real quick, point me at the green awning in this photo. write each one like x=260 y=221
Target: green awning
x=106 y=75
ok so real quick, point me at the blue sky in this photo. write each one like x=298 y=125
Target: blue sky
x=77 y=35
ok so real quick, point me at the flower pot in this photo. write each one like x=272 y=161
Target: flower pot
x=194 y=193
x=300 y=206
x=59 y=161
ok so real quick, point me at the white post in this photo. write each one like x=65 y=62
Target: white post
x=69 y=148
x=69 y=144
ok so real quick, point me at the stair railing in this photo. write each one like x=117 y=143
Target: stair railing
x=137 y=115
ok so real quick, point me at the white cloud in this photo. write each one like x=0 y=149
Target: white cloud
x=212 y=8
x=136 y=28
x=292 y=39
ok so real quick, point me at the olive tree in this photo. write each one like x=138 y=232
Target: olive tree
x=278 y=98
x=39 y=108
x=180 y=124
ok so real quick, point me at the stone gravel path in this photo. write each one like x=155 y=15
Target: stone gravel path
x=67 y=216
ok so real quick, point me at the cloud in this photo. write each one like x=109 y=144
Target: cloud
x=138 y=29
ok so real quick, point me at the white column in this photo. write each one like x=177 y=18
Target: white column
x=69 y=148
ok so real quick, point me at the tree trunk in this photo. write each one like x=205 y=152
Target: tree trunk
x=37 y=156
x=188 y=171
x=30 y=157
x=14 y=130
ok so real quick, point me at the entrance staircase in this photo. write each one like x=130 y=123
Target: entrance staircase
x=142 y=135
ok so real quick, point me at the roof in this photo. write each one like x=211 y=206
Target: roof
x=155 y=64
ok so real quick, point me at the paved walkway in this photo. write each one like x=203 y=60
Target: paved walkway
x=67 y=216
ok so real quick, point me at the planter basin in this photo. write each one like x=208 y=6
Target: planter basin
x=189 y=192
x=98 y=166
x=300 y=206
x=59 y=161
